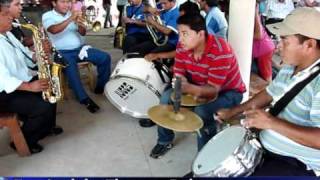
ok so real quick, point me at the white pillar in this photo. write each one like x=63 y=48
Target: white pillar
x=241 y=24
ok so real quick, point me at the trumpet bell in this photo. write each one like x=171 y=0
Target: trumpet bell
x=96 y=26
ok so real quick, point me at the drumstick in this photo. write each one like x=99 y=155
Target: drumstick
x=177 y=94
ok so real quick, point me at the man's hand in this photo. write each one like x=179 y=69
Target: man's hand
x=75 y=15
x=46 y=45
x=184 y=83
x=224 y=114
x=150 y=20
x=258 y=118
x=39 y=85
x=127 y=20
x=151 y=57
x=151 y=10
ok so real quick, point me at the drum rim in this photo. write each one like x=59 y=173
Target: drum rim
x=230 y=155
x=235 y=154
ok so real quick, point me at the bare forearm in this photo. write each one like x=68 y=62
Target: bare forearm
x=207 y=91
x=170 y=54
x=162 y=29
x=140 y=23
x=259 y=101
x=57 y=28
x=307 y=136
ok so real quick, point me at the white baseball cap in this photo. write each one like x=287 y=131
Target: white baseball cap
x=304 y=21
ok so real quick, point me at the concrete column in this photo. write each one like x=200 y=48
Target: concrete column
x=240 y=36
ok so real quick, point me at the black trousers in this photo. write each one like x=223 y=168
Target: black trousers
x=150 y=47
x=276 y=165
x=133 y=39
x=120 y=9
x=37 y=115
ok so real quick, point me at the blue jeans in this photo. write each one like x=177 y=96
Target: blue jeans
x=206 y=111
x=100 y=59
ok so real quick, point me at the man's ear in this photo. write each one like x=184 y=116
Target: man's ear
x=202 y=33
x=53 y=3
x=310 y=44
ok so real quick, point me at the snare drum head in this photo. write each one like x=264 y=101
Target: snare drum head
x=131 y=96
x=218 y=149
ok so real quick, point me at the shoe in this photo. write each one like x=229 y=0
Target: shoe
x=160 y=150
x=146 y=123
x=98 y=90
x=188 y=175
x=55 y=131
x=34 y=148
x=91 y=106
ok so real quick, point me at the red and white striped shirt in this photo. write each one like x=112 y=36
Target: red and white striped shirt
x=218 y=66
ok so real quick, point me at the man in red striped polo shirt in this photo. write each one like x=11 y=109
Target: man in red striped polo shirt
x=209 y=69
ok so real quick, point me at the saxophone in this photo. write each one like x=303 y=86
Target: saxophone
x=52 y=72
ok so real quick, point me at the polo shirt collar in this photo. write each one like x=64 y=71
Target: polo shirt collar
x=308 y=69
x=59 y=14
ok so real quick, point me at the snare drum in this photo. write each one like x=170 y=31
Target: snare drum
x=232 y=152
x=135 y=85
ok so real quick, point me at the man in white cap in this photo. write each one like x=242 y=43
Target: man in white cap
x=290 y=136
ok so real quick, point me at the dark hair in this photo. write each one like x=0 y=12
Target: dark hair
x=189 y=7
x=5 y=3
x=195 y=21
x=212 y=3
x=303 y=38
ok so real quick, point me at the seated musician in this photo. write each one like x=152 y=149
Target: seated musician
x=16 y=31
x=168 y=16
x=291 y=138
x=167 y=56
x=209 y=69
x=136 y=31
x=66 y=30
x=187 y=7
x=20 y=91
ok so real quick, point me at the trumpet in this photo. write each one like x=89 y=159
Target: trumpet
x=158 y=38
x=88 y=19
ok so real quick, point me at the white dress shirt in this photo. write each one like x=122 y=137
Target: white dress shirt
x=13 y=63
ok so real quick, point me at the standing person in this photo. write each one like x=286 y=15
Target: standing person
x=120 y=7
x=277 y=10
x=107 y=7
x=66 y=30
x=20 y=91
x=263 y=48
x=290 y=138
x=208 y=69
x=308 y=3
x=215 y=19
x=136 y=31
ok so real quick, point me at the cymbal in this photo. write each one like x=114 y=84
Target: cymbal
x=190 y=100
x=183 y=121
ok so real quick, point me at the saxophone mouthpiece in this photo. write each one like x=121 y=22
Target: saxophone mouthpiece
x=16 y=25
